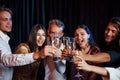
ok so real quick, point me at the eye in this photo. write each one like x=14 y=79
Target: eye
x=6 y=19
x=82 y=34
x=43 y=35
x=114 y=31
x=38 y=34
x=76 y=35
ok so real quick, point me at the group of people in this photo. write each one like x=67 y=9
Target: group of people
x=33 y=60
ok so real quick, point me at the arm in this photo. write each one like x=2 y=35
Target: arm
x=115 y=56
x=107 y=73
x=16 y=59
x=9 y=59
x=83 y=65
x=99 y=70
x=100 y=57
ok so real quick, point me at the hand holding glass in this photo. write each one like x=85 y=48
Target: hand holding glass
x=76 y=60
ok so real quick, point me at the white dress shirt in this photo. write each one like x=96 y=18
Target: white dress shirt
x=114 y=73
x=53 y=72
x=8 y=60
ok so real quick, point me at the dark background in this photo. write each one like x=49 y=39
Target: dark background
x=93 y=13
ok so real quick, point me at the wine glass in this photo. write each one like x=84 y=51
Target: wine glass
x=72 y=47
x=69 y=46
x=76 y=58
x=56 y=42
x=66 y=44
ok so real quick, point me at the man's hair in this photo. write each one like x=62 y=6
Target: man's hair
x=57 y=22
x=5 y=9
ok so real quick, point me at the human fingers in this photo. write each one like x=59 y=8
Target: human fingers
x=53 y=51
x=65 y=53
x=57 y=52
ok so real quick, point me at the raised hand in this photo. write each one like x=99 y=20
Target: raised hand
x=82 y=64
x=47 y=51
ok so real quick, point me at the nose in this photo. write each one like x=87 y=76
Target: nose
x=109 y=33
x=79 y=37
x=40 y=36
x=57 y=35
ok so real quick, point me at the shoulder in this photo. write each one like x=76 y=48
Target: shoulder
x=22 y=48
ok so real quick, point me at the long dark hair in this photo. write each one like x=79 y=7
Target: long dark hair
x=113 y=45
x=91 y=40
x=116 y=22
x=32 y=37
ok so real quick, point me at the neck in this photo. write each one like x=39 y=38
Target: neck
x=85 y=49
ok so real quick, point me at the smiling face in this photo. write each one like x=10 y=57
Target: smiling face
x=110 y=33
x=55 y=31
x=5 y=22
x=81 y=37
x=40 y=39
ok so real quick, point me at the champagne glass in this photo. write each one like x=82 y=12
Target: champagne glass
x=66 y=44
x=72 y=47
x=69 y=45
x=56 y=42
x=72 y=43
x=77 y=59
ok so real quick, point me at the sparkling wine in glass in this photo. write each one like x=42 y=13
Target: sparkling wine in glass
x=56 y=42
x=72 y=47
x=76 y=58
x=66 y=44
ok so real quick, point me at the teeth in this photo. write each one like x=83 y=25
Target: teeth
x=80 y=41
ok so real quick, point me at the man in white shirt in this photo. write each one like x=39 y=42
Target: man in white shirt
x=7 y=59
x=54 y=68
x=55 y=29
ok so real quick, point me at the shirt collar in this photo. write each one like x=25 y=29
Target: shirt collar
x=5 y=37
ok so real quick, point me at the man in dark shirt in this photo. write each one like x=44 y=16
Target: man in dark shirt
x=110 y=54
